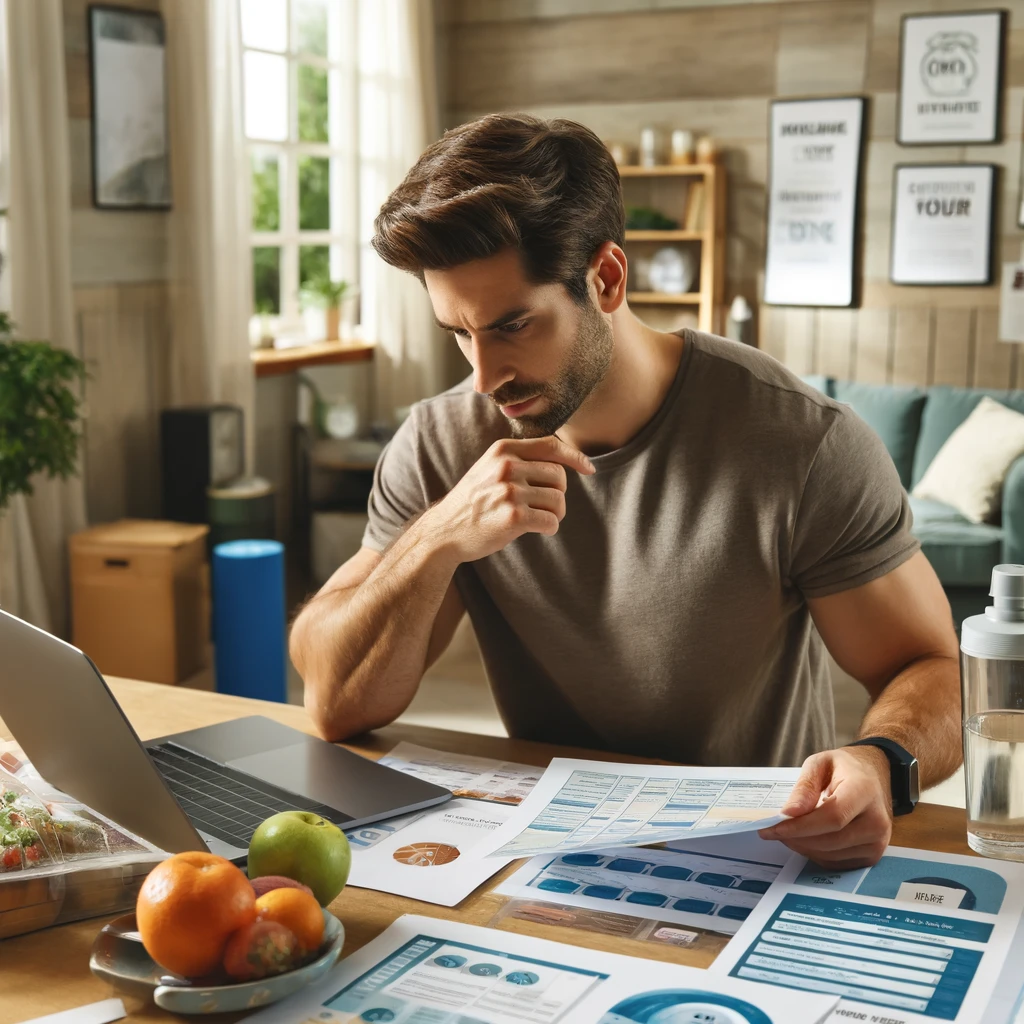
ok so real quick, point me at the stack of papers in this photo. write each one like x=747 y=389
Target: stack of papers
x=422 y=970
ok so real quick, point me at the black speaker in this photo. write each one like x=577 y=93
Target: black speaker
x=200 y=446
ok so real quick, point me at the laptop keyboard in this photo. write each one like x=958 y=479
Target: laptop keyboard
x=224 y=802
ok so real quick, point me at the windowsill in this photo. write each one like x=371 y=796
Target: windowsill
x=272 y=362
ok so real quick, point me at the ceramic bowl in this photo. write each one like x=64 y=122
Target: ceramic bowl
x=119 y=957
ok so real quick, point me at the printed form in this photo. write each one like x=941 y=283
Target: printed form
x=918 y=938
x=593 y=805
x=422 y=970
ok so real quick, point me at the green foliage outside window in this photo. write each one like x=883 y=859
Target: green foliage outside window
x=39 y=412
x=266 y=203
x=312 y=104
x=314 y=193
x=266 y=278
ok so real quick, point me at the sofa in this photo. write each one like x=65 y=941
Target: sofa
x=914 y=423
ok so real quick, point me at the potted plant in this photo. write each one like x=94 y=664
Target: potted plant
x=40 y=412
x=322 y=291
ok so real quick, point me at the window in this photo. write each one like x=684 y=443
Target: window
x=300 y=121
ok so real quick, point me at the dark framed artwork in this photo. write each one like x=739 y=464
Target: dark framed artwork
x=951 y=78
x=130 y=153
x=943 y=224
x=812 y=250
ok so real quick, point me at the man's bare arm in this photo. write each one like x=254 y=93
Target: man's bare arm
x=895 y=635
x=363 y=643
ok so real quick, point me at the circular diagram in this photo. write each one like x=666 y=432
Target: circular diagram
x=449 y=961
x=485 y=970
x=426 y=855
x=522 y=978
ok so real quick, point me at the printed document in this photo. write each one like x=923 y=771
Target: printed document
x=918 y=938
x=712 y=884
x=595 y=805
x=475 y=778
x=432 y=856
x=443 y=972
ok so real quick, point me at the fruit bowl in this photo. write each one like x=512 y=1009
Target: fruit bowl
x=119 y=957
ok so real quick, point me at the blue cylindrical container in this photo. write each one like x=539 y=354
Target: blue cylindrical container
x=249 y=619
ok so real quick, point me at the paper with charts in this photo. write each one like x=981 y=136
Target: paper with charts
x=474 y=778
x=918 y=938
x=432 y=856
x=712 y=883
x=444 y=972
x=594 y=805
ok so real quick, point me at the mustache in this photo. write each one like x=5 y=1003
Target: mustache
x=509 y=394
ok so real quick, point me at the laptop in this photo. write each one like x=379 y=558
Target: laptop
x=205 y=789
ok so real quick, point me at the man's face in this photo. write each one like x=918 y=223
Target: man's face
x=536 y=353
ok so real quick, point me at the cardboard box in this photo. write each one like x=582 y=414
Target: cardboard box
x=140 y=598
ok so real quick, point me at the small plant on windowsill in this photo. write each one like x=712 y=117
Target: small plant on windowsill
x=40 y=412
x=323 y=292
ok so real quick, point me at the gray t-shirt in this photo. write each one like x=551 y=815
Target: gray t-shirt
x=668 y=617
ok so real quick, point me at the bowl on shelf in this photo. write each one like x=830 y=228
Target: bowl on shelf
x=119 y=958
x=672 y=271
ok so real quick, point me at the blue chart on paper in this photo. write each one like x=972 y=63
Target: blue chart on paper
x=901 y=959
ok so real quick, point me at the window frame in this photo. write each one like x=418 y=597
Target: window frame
x=340 y=236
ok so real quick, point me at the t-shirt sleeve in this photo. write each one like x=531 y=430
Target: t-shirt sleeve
x=854 y=520
x=398 y=493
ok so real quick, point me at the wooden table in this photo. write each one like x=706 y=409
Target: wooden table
x=48 y=971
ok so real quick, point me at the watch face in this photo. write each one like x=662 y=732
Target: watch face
x=915 y=782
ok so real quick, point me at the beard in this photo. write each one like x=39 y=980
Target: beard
x=585 y=367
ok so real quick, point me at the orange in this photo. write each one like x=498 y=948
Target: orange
x=297 y=911
x=188 y=907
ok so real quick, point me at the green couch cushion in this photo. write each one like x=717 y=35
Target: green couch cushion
x=962 y=553
x=944 y=411
x=821 y=382
x=894 y=413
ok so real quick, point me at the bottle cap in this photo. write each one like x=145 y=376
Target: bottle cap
x=999 y=633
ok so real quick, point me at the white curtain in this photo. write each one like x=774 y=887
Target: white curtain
x=211 y=289
x=398 y=118
x=34 y=530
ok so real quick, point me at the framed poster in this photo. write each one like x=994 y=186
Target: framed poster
x=943 y=224
x=130 y=158
x=813 y=201
x=951 y=78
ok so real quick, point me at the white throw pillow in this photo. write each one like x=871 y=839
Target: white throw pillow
x=969 y=469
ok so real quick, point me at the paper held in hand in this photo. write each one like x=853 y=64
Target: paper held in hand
x=594 y=805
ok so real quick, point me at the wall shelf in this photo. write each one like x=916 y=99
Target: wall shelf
x=271 y=362
x=664 y=170
x=664 y=235
x=665 y=298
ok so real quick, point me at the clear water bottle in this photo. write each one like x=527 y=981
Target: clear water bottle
x=992 y=686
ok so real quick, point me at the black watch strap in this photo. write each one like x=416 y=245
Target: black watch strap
x=903 y=772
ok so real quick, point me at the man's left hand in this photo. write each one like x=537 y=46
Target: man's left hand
x=840 y=809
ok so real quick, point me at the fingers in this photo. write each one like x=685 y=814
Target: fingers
x=865 y=828
x=815 y=776
x=540 y=474
x=862 y=856
x=547 y=499
x=545 y=449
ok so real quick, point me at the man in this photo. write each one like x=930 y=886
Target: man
x=652 y=533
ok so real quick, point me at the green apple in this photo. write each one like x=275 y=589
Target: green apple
x=305 y=847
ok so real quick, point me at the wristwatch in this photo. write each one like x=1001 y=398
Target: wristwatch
x=903 y=772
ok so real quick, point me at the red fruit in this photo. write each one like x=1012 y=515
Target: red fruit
x=11 y=857
x=261 y=949
x=261 y=886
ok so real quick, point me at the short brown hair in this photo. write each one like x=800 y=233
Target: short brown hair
x=549 y=189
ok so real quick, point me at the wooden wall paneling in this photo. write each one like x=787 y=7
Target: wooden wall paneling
x=822 y=49
x=993 y=358
x=912 y=340
x=873 y=354
x=951 y=357
x=656 y=55
x=800 y=334
x=123 y=336
x=772 y=331
x=837 y=342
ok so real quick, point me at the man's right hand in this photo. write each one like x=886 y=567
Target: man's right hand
x=515 y=487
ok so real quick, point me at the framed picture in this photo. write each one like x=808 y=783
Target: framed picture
x=814 y=201
x=130 y=158
x=943 y=224
x=951 y=78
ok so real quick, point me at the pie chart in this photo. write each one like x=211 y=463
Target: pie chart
x=426 y=855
